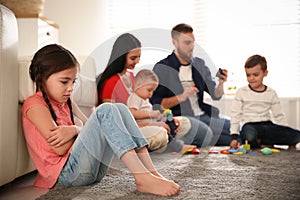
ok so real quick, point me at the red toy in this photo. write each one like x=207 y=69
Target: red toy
x=191 y=151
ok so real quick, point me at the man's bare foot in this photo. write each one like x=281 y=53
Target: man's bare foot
x=149 y=183
x=187 y=148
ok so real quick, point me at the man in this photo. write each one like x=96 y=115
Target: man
x=182 y=82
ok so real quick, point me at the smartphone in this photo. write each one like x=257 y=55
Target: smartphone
x=219 y=73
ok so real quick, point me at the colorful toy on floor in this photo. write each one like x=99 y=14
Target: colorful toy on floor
x=245 y=149
x=170 y=121
x=191 y=150
x=225 y=151
x=240 y=150
x=195 y=151
x=275 y=150
x=247 y=146
x=213 y=152
x=269 y=151
x=266 y=151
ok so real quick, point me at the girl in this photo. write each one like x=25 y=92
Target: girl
x=68 y=154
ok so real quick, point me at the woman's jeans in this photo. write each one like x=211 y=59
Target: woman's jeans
x=268 y=133
x=110 y=129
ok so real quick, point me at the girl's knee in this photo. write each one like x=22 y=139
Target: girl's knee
x=105 y=107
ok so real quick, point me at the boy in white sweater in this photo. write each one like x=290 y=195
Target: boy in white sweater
x=252 y=108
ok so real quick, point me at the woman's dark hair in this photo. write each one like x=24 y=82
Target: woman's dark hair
x=48 y=60
x=117 y=61
x=255 y=60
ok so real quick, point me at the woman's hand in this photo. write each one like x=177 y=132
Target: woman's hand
x=167 y=127
x=61 y=135
x=162 y=124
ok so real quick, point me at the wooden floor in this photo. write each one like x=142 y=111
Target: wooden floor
x=21 y=188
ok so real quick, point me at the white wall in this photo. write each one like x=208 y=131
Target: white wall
x=80 y=23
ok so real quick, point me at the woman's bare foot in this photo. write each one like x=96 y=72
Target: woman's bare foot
x=149 y=183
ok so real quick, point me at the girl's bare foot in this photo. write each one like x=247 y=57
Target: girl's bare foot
x=156 y=173
x=152 y=184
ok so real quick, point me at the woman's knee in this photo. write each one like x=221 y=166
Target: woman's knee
x=185 y=126
x=158 y=140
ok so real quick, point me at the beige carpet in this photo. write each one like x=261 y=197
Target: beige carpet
x=204 y=176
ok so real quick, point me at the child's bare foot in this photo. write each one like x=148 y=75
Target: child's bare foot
x=149 y=183
x=292 y=147
x=156 y=173
x=266 y=145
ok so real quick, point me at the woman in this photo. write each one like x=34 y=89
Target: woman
x=116 y=83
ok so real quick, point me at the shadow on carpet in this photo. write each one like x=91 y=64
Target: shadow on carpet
x=204 y=176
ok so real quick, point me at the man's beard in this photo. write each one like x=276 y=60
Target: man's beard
x=185 y=56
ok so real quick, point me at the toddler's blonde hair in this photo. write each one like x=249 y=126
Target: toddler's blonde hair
x=144 y=77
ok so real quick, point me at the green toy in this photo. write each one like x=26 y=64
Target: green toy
x=266 y=151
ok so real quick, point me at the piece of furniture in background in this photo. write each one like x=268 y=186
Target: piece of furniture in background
x=34 y=30
x=24 y=8
x=35 y=33
x=14 y=158
x=15 y=86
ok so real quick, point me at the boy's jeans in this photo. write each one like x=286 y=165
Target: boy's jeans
x=269 y=134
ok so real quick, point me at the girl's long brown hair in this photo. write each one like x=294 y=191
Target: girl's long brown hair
x=47 y=61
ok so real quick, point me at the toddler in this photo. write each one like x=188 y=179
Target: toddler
x=146 y=82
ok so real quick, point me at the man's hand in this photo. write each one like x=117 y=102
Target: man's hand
x=223 y=74
x=188 y=91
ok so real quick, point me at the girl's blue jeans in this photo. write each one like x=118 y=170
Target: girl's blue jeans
x=111 y=129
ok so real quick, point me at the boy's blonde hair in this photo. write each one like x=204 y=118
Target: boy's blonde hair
x=144 y=77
